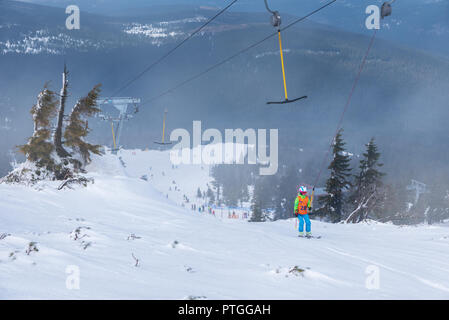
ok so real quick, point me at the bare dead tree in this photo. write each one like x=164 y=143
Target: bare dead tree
x=361 y=211
x=57 y=138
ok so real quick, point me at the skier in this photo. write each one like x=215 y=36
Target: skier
x=302 y=206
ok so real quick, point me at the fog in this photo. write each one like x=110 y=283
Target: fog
x=401 y=99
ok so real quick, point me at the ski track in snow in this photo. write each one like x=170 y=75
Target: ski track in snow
x=383 y=266
x=185 y=253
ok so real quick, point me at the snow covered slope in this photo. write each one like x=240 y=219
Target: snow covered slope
x=174 y=181
x=97 y=230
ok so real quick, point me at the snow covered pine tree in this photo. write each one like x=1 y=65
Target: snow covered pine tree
x=46 y=158
x=338 y=181
x=367 y=194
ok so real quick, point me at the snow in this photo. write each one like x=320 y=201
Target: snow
x=44 y=42
x=196 y=19
x=307 y=52
x=183 y=253
x=148 y=30
x=7 y=124
x=159 y=30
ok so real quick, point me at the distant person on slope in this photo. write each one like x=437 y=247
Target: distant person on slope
x=302 y=206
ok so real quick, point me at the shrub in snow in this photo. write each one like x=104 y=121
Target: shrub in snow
x=136 y=260
x=76 y=234
x=86 y=244
x=4 y=235
x=297 y=271
x=12 y=255
x=174 y=244
x=189 y=269
x=133 y=237
x=32 y=247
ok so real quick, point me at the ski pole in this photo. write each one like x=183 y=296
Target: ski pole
x=311 y=198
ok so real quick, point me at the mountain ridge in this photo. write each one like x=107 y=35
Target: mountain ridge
x=321 y=62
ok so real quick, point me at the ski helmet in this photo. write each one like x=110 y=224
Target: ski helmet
x=302 y=189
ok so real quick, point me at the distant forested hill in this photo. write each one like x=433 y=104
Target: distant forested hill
x=401 y=98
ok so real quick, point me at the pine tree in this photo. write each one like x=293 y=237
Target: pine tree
x=39 y=147
x=77 y=129
x=198 y=193
x=438 y=203
x=244 y=194
x=391 y=204
x=286 y=192
x=231 y=185
x=217 y=182
x=338 y=181
x=398 y=202
x=367 y=193
x=256 y=206
x=210 y=195
x=266 y=192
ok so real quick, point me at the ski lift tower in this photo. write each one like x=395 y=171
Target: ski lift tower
x=122 y=104
x=419 y=189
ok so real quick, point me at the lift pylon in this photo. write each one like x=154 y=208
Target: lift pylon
x=163 y=131
x=122 y=104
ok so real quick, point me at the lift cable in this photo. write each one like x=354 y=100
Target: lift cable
x=348 y=101
x=234 y=55
x=138 y=76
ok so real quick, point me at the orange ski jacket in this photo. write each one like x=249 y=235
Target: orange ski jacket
x=302 y=203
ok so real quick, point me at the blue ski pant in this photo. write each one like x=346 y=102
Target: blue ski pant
x=302 y=218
